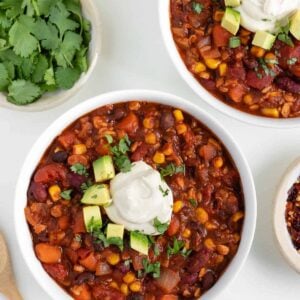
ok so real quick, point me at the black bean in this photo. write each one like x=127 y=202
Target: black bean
x=60 y=156
x=117 y=114
x=288 y=84
x=83 y=277
x=208 y=280
x=167 y=120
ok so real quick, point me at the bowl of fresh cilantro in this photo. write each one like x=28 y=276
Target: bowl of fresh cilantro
x=48 y=49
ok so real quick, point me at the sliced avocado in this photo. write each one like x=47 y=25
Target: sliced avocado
x=92 y=217
x=264 y=39
x=139 y=242
x=115 y=231
x=231 y=20
x=232 y=3
x=295 y=25
x=97 y=194
x=103 y=168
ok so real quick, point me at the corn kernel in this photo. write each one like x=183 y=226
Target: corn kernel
x=79 y=149
x=113 y=258
x=223 y=69
x=124 y=289
x=135 y=286
x=57 y=149
x=178 y=205
x=222 y=249
x=181 y=128
x=148 y=123
x=257 y=51
x=210 y=226
x=219 y=259
x=186 y=233
x=150 y=138
x=209 y=244
x=212 y=63
x=178 y=115
x=54 y=192
x=237 y=216
x=159 y=158
x=271 y=59
x=202 y=215
x=204 y=75
x=167 y=149
x=202 y=272
x=218 y=162
x=129 y=277
x=248 y=99
x=218 y=15
x=236 y=237
x=199 y=67
x=114 y=285
x=270 y=112
x=134 y=105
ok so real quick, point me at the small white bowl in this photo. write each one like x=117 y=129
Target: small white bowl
x=165 y=24
x=279 y=223
x=49 y=100
x=38 y=149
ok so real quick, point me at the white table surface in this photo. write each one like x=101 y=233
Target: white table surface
x=134 y=57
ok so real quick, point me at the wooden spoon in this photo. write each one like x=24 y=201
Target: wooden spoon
x=7 y=281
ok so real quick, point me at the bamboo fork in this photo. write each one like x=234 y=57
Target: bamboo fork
x=7 y=281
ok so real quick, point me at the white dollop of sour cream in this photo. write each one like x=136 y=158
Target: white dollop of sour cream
x=263 y=15
x=138 y=197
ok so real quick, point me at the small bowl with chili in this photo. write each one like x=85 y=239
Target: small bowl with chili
x=229 y=71
x=177 y=211
x=287 y=215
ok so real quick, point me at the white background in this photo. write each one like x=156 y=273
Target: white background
x=133 y=56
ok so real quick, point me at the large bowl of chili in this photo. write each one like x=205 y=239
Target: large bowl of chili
x=213 y=215
x=248 y=91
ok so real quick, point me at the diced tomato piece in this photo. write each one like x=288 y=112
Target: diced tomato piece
x=220 y=36
x=168 y=280
x=81 y=292
x=174 y=226
x=236 y=71
x=90 y=262
x=287 y=53
x=129 y=124
x=47 y=253
x=78 y=225
x=208 y=152
x=57 y=271
x=258 y=81
x=51 y=173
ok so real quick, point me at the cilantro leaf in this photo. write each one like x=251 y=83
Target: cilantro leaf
x=67 y=77
x=153 y=268
x=3 y=77
x=13 y=8
x=22 y=92
x=4 y=21
x=79 y=169
x=171 y=170
x=49 y=77
x=66 y=194
x=197 y=7
x=44 y=6
x=59 y=17
x=40 y=69
x=120 y=158
x=193 y=202
x=159 y=226
x=165 y=192
x=175 y=249
x=81 y=59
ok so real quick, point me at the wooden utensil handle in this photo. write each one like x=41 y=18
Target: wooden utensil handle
x=9 y=289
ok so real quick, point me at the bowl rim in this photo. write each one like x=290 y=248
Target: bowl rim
x=282 y=235
x=61 y=96
x=39 y=147
x=186 y=75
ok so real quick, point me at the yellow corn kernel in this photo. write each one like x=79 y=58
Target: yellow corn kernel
x=257 y=51
x=148 y=123
x=113 y=258
x=57 y=149
x=270 y=112
x=202 y=215
x=212 y=63
x=237 y=216
x=219 y=259
x=134 y=105
x=210 y=226
x=218 y=162
x=150 y=138
x=167 y=149
x=186 y=233
x=54 y=192
x=129 y=277
x=209 y=244
x=135 y=286
x=79 y=149
x=178 y=205
x=223 y=250
x=271 y=59
x=178 y=115
x=159 y=157
x=204 y=75
x=218 y=15
x=248 y=99
x=199 y=67
x=181 y=128
x=114 y=285
x=124 y=289
x=202 y=272
x=223 y=69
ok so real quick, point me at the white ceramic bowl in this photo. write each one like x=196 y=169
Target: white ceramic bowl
x=49 y=100
x=21 y=227
x=165 y=24
x=279 y=223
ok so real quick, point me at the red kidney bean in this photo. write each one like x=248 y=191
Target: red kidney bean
x=76 y=180
x=198 y=260
x=189 y=278
x=288 y=84
x=50 y=173
x=37 y=191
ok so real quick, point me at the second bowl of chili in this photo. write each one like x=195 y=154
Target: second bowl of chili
x=215 y=222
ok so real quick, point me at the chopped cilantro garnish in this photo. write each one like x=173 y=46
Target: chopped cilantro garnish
x=79 y=169
x=165 y=192
x=94 y=226
x=120 y=158
x=86 y=185
x=171 y=170
x=109 y=138
x=159 y=226
x=197 y=7
x=234 y=42
x=193 y=202
x=151 y=268
x=66 y=194
x=178 y=248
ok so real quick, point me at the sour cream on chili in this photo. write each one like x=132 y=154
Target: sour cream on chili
x=138 y=197
x=264 y=14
